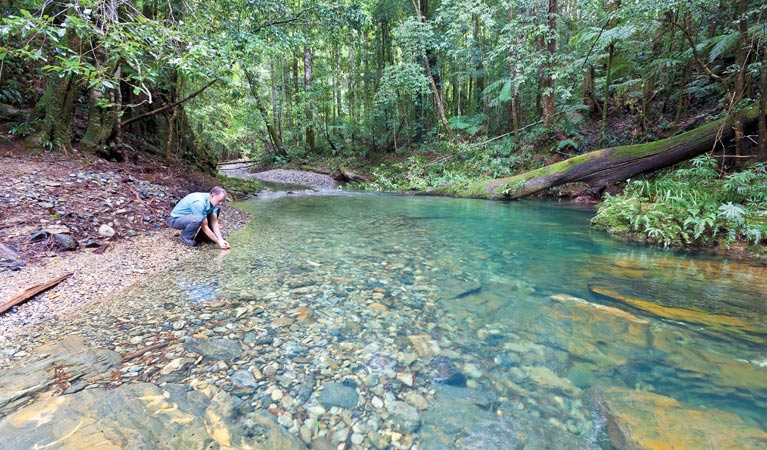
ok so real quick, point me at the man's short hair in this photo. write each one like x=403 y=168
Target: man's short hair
x=217 y=190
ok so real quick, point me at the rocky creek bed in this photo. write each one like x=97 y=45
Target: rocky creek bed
x=303 y=353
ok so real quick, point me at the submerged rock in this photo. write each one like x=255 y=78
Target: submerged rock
x=719 y=324
x=721 y=374
x=404 y=416
x=63 y=362
x=461 y=418
x=443 y=371
x=644 y=420
x=142 y=416
x=456 y=288
x=604 y=335
x=338 y=394
x=218 y=348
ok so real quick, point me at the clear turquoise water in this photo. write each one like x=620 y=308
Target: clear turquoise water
x=481 y=279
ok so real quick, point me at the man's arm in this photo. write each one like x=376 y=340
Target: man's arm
x=211 y=229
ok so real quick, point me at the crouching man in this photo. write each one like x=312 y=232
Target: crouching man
x=199 y=211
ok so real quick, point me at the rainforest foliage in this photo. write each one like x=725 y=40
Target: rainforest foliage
x=423 y=92
x=693 y=205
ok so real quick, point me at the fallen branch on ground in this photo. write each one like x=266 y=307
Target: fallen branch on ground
x=28 y=293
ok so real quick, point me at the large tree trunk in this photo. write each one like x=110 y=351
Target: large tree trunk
x=310 y=141
x=605 y=166
x=103 y=119
x=351 y=87
x=763 y=112
x=422 y=11
x=273 y=135
x=56 y=107
x=547 y=79
x=741 y=59
x=609 y=71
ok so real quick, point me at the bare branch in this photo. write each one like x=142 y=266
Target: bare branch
x=284 y=21
x=167 y=107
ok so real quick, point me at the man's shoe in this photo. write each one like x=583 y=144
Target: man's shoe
x=187 y=241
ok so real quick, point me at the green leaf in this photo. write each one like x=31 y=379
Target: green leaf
x=723 y=44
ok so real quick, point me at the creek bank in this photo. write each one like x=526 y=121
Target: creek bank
x=115 y=215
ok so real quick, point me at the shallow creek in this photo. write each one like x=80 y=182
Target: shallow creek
x=379 y=321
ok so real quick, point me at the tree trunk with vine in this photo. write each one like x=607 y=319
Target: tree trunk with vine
x=429 y=60
x=763 y=112
x=614 y=6
x=274 y=136
x=547 y=80
x=741 y=59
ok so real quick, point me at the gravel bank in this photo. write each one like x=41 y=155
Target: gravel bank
x=96 y=276
x=283 y=176
x=119 y=263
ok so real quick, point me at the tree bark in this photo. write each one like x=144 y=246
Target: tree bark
x=547 y=80
x=28 y=293
x=514 y=61
x=609 y=72
x=763 y=112
x=273 y=135
x=421 y=9
x=351 y=86
x=605 y=166
x=56 y=108
x=741 y=59
x=310 y=135
x=103 y=119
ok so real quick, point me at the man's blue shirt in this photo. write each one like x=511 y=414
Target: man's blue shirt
x=195 y=204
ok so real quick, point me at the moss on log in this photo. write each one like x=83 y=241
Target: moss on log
x=600 y=167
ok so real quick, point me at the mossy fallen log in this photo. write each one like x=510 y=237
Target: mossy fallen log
x=601 y=167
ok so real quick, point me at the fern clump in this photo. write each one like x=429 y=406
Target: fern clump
x=691 y=207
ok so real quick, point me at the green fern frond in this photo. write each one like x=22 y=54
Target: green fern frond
x=723 y=44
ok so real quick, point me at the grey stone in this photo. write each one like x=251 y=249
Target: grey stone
x=243 y=378
x=143 y=416
x=66 y=242
x=218 y=348
x=337 y=394
x=106 y=231
x=404 y=416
